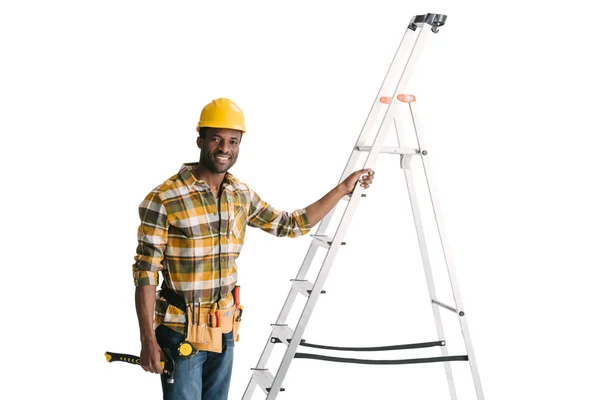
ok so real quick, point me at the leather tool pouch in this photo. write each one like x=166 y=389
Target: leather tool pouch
x=203 y=336
x=206 y=338
x=199 y=331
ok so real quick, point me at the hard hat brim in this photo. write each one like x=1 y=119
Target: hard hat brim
x=209 y=124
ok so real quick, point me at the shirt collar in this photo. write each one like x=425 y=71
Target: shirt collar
x=190 y=180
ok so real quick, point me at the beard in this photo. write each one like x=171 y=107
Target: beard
x=209 y=161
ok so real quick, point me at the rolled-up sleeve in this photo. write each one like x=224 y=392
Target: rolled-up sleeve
x=152 y=241
x=276 y=222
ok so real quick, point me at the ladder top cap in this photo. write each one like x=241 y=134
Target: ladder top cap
x=431 y=19
x=435 y=20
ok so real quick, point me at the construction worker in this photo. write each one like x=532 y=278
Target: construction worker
x=192 y=230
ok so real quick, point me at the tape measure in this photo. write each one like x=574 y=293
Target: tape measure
x=186 y=349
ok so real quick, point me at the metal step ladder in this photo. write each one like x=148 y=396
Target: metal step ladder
x=381 y=120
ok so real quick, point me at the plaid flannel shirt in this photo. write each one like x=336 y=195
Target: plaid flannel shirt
x=194 y=239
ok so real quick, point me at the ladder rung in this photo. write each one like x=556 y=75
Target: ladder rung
x=303 y=287
x=265 y=379
x=390 y=149
x=324 y=241
x=282 y=333
x=447 y=307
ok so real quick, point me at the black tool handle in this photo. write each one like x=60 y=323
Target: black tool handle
x=128 y=358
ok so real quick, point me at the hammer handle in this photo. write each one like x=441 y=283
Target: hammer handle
x=128 y=358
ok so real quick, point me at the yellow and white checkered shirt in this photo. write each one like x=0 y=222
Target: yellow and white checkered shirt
x=194 y=239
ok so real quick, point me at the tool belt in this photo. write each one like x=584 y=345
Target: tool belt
x=204 y=333
x=206 y=327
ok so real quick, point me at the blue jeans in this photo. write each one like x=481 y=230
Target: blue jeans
x=206 y=375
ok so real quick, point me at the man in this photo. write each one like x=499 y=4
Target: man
x=192 y=230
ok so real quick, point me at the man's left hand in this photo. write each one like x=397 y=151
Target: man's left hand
x=363 y=176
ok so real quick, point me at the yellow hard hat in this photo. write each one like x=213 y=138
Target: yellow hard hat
x=222 y=113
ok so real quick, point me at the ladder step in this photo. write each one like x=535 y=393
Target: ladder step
x=303 y=287
x=265 y=379
x=390 y=149
x=281 y=333
x=324 y=241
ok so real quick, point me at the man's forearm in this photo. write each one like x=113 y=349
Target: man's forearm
x=317 y=210
x=145 y=296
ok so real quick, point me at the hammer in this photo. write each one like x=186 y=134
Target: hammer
x=167 y=366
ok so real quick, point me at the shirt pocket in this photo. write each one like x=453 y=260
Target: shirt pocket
x=238 y=222
x=194 y=227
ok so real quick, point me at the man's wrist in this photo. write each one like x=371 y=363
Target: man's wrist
x=148 y=340
x=342 y=190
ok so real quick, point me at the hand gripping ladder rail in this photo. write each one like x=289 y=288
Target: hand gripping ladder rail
x=388 y=100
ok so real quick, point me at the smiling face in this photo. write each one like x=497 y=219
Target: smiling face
x=219 y=148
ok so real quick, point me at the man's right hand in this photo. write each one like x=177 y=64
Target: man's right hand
x=150 y=357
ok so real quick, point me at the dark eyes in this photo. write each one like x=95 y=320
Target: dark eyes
x=218 y=139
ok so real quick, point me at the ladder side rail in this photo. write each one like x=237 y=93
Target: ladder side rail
x=308 y=259
x=414 y=203
x=329 y=258
x=318 y=286
x=250 y=389
x=283 y=314
x=391 y=111
x=416 y=26
x=429 y=278
x=385 y=89
x=422 y=37
x=310 y=304
x=446 y=249
x=343 y=226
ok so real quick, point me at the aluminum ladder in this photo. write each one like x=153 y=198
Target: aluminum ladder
x=379 y=121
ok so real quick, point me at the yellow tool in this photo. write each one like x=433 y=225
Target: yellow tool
x=186 y=349
x=167 y=366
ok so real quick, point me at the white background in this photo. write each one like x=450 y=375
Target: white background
x=99 y=102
